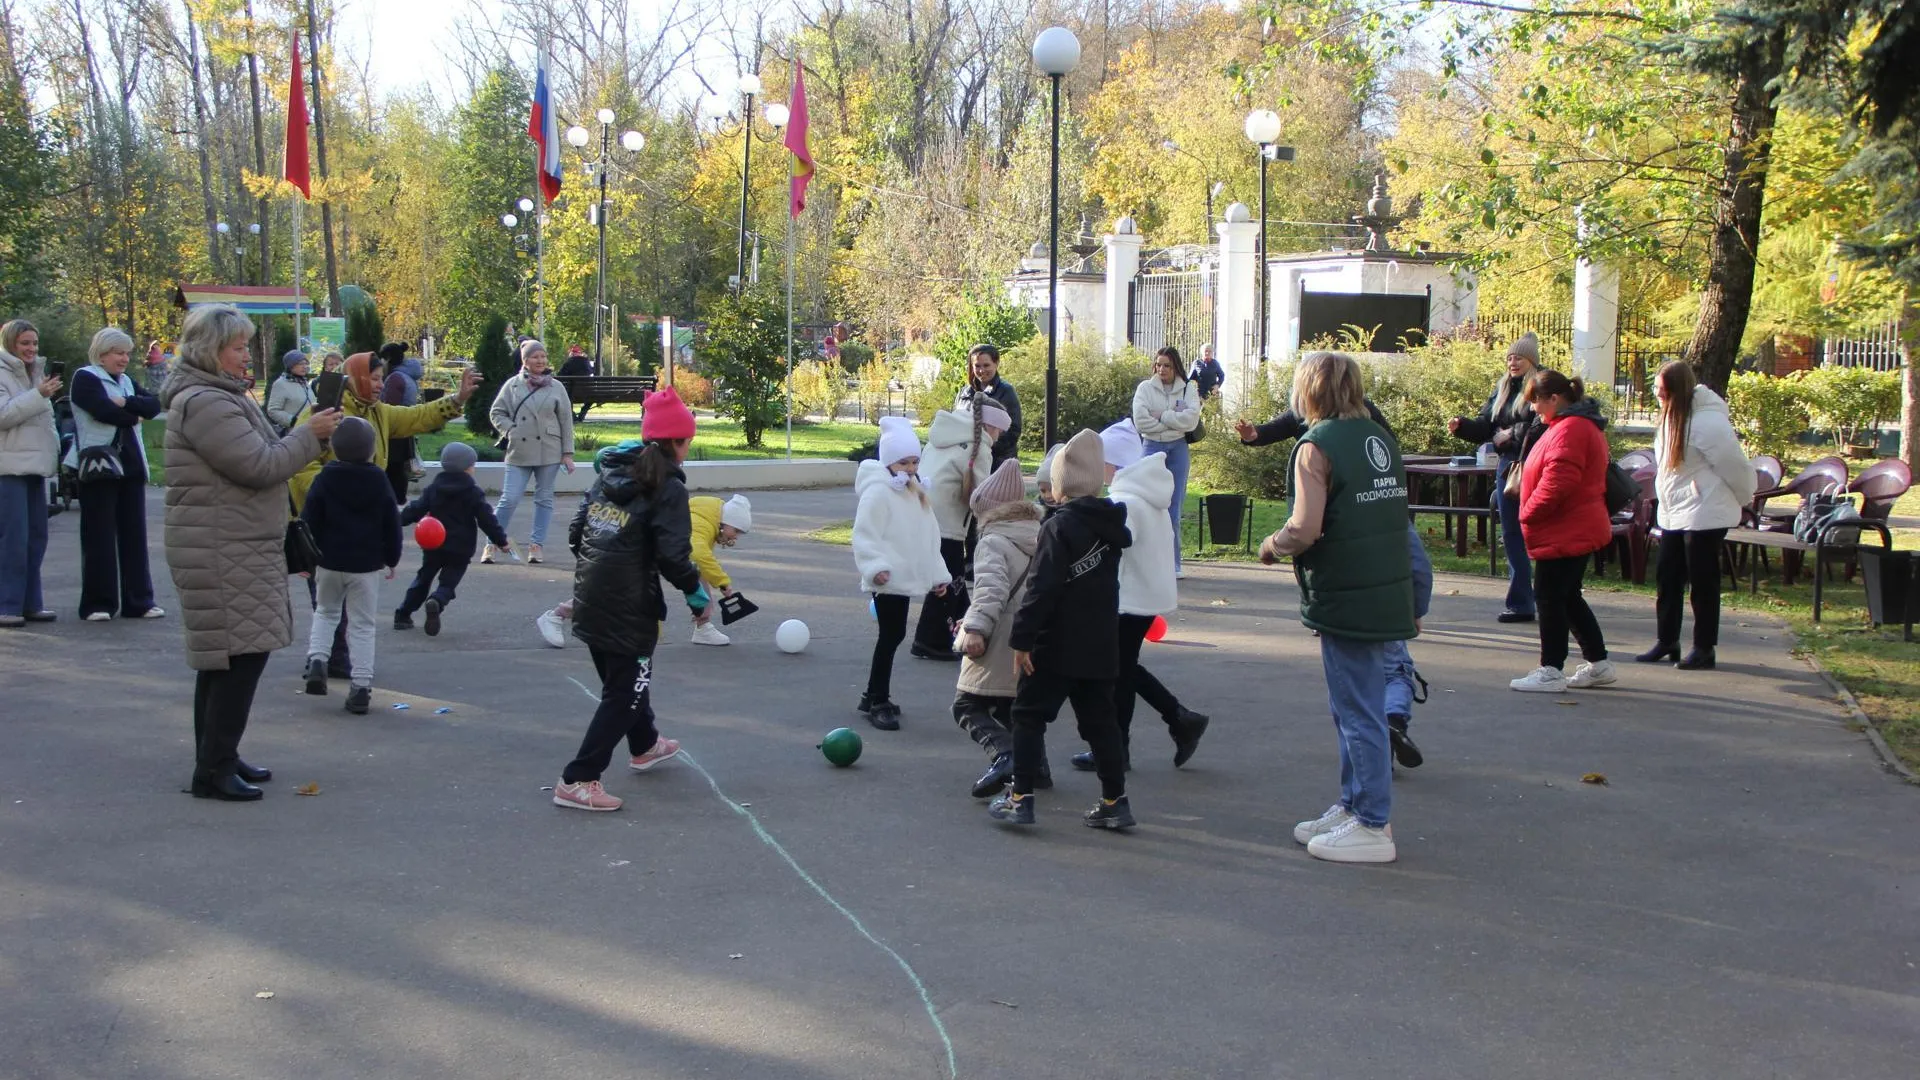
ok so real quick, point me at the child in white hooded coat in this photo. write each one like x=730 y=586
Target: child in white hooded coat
x=896 y=546
x=1144 y=485
x=955 y=461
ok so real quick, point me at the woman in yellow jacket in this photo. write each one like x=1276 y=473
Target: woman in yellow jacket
x=721 y=524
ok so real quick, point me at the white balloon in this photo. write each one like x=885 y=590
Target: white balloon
x=792 y=636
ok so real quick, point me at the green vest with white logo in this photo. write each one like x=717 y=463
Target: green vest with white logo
x=1356 y=581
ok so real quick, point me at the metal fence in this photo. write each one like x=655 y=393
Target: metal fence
x=1170 y=309
x=1880 y=350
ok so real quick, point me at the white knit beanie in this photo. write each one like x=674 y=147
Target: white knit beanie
x=993 y=416
x=897 y=440
x=1120 y=444
x=737 y=512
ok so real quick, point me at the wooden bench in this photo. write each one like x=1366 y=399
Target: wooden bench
x=608 y=389
x=1792 y=548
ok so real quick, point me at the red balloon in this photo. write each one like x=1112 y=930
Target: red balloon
x=1157 y=629
x=430 y=534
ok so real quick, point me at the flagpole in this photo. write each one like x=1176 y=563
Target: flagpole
x=299 y=340
x=789 y=334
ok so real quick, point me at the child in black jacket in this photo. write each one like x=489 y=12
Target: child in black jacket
x=356 y=526
x=458 y=504
x=1066 y=637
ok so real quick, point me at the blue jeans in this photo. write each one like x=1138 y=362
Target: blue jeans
x=1519 y=570
x=23 y=543
x=542 y=477
x=1356 y=688
x=1399 y=674
x=1179 y=460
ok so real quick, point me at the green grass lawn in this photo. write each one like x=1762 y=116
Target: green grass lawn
x=718 y=440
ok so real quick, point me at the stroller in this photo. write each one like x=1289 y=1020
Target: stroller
x=64 y=485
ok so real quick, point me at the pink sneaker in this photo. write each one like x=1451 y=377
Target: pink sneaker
x=588 y=795
x=663 y=748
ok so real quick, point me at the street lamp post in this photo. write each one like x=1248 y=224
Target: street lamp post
x=1263 y=129
x=1055 y=52
x=632 y=141
x=749 y=85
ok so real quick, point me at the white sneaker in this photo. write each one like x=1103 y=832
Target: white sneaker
x=487 y=553
x=1597 y=674
x=1543 y=680
x=1335 y=817
x=553 y=628
x=1355 y=843
x=100 y=616
x=708 y=634
x=154 y=613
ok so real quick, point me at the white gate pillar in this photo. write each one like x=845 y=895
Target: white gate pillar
x=1596 y=318
x=1236 y=304
x=1123 y=265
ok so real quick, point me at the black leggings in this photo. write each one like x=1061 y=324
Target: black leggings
x=222 y=701
x=934 y=633
x=891 y=611
x=1135 y=679
x=1689 y=558
x=1556 y=590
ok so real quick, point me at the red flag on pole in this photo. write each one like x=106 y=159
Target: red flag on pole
x=797 y=142
x=297 y=172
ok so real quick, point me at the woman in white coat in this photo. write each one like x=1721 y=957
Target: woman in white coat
x=957 y=459
x=533 y=412
x=1704 y=483
x=896 y=546
x=29 y=453
x=1166 y=409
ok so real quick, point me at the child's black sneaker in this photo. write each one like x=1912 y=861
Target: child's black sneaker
x=1186 y=730
x=433 y=618
x=358 y=699
x=995 y=777
x=1404 y=752
x=884 y=715
x=1110 y=815
x=1011 y=809
x=402 y=620
x=317 y=677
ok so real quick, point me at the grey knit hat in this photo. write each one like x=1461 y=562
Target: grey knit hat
x=353 y=440
x=457 y=457
x=1527 y=345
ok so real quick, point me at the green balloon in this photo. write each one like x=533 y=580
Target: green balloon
x=841 y=746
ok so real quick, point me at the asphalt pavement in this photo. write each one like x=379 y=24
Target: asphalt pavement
x=1740 y=898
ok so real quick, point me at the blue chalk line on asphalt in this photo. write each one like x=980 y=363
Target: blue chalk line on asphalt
x=926 y=998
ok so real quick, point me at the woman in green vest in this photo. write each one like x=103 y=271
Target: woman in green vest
x=1347 y=532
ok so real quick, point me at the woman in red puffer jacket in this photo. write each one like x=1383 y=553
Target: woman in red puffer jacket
x=1563 y=516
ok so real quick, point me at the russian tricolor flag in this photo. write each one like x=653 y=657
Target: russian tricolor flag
x=544 y=127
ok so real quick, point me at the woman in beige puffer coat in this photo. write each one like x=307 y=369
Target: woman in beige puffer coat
x=226 y=523
x=29 y=452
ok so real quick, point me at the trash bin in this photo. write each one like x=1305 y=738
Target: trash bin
x=1890 y=578
x=1226 y=516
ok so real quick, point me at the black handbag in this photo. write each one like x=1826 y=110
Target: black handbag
x=1621 y=488
x=1199 y=432
x=302 y=551
x=97 y=463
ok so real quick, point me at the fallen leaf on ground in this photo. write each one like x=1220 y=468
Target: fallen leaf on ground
x=264 y=994
x=736 y=956
x=1594 y=778
x=1567 y=703
x=1221 y=602
x=307 y=789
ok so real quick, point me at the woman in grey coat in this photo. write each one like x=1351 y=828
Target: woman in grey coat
x=226 y=524
x=533 y=412
x=291 y=394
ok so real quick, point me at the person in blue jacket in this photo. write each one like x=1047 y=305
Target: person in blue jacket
x=458 y=504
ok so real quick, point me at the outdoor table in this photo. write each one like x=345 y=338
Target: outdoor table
x=1458 y=505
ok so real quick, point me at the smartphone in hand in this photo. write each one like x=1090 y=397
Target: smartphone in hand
x=327 y=390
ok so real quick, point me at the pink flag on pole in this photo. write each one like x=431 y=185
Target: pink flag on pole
x=797 y=142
